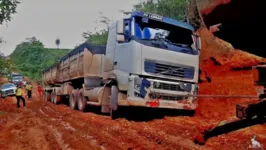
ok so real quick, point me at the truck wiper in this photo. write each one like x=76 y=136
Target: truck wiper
x=179 y=44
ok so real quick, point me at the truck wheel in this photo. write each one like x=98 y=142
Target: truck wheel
x=53 y=97
x=44 y=97
x=48 y=96
x=82 y=101
x=114 y=102
x=73 y=100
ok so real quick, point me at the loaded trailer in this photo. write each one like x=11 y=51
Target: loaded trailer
x=149 y=61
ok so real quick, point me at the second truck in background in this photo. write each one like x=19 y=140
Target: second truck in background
x=149 y=61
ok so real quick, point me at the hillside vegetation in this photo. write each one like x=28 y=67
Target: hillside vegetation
x=31 y=57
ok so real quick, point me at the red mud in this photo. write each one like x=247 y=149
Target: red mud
x=42 y=125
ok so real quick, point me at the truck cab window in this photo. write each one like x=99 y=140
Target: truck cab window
x=127 y=31
x=159 y=34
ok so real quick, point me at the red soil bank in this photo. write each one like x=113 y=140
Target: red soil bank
x=218 y=58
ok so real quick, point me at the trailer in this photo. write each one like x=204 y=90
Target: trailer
x=149 y=61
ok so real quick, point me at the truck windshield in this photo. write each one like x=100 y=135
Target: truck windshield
x=163 y=35
x=17 y=78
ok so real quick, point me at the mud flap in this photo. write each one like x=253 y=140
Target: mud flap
x=114 y=102
x=114 y=97
x=105 y=103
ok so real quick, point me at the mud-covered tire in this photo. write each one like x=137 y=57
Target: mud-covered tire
x=73 y=100
x=53 y=97
x=48 y=96
x=44 y=96
x=82 y=101
x=114 y=102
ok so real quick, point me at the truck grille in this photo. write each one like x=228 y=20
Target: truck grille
x=163 y=97
x=169 y=87
x=169 y=70
x=172 y=98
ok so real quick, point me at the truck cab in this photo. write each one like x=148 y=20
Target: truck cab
x=154 y=61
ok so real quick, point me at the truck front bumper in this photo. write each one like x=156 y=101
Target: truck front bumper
x=159 y=104
x=156 y=93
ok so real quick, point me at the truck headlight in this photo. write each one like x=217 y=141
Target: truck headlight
x=185 y=86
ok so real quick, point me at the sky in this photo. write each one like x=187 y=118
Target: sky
x=64 y=19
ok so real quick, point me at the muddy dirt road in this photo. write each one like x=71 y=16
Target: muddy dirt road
x=42 y=125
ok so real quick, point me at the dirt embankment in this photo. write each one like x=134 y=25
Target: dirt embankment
x=225 y=70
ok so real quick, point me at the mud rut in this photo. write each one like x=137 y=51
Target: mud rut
x=43 y=125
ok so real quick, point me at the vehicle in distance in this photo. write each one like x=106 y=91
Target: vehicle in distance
x=149 y=61
x=16 y=78
x=8 y=89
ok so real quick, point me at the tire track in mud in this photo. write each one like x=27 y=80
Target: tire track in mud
x=141 y=135
x=66 y=135
x=64 y=128
x=110 y=135
x=25 y=131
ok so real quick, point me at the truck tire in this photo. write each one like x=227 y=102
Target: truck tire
x=114 y=102
x=48 y=96
x=73 y=100
x=82 y=101
x=53 y=97
x=44 y=97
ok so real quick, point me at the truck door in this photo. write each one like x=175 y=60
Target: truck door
x=123 y=49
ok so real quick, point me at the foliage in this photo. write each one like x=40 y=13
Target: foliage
x=5 y=65
x=7 y=8
x=30 y=57
x=57 y=42
x=171 y=8
x=100 y=37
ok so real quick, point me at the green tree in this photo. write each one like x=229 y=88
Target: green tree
x=30 y=57
x=5 y=65
x=101 y=36
x=57 y=42
x=171 y=8
x=7 y=8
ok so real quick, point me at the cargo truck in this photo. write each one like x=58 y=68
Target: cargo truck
x=149 y=61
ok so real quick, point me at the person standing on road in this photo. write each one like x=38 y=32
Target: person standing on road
x=40 y=91
x=19 y=96
x=29 y=89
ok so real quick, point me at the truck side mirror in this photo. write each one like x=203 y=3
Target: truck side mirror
x=120 y=29
x=198 y=42
x=120 y=38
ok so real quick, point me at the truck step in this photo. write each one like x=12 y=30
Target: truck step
x=94 y=103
